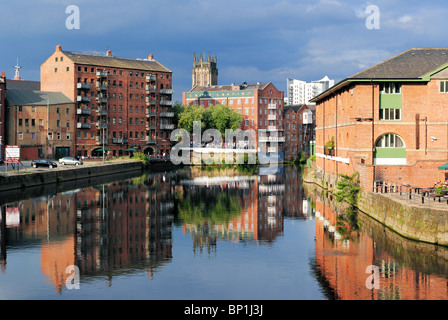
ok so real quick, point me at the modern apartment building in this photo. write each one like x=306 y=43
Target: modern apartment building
x=299 y=125
x=261 y=106
x=122 y=104
x=42 y=123
x=301 y=92
x=387 y=122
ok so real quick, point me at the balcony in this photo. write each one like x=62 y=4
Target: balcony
x=101 y=86
x=150 y=113
x=166 y=102
x=272 y=106
x=100 y=140
x=101 y=99
x=167 y=114
x=166 y=91
x=273 y=149
x=271 y=139
x=150 y=89
x=167 y=126
x=150 y=126
x=83 y=86
x=150 y=101
x=120 y=140
x=101 y=112
x=150 y=140
x=150 y=77
x=272 y=117
x=83 y=111
x=101 y=125
x=81 y=125
x=83 y=99
x=272 y=128
x=102 y=74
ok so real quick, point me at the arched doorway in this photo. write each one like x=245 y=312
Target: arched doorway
x=149 y=151
x=390 y=150
x=98 y=152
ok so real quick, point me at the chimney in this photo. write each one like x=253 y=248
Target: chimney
x=109 y=53
x=58 y=47
x=151 y=57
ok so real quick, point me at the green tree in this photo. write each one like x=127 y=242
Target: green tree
x=177 y=109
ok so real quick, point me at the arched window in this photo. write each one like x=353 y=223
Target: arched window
x=390 y=140
x=390 y=150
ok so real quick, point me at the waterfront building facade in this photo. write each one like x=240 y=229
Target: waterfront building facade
x=260 y=105
x=2 y=114
x=387 y=122
x=41 y=123
x=299 y=123
x=123 y=105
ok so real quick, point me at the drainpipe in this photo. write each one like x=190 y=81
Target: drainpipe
x=373 y=129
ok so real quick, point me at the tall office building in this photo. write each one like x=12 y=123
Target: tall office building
x=301 y=92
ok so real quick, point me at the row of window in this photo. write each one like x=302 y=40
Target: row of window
x=58 y=135
x=137 y=85
x=120 y=72
x=120 y=135
x=26 y=122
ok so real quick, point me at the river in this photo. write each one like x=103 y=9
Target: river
x=195 y=234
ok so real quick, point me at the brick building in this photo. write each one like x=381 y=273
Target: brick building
x=42 y=123
x=261 y=106
x=388 y=121
x=299 y=123
x=2 y=114
x=123 y=104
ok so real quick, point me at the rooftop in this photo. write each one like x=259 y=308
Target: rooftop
x=230 y=87
x=115 y=62
x=411 y=64
x=36 y=98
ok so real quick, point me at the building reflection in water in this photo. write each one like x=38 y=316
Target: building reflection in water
x=107 y=230
x=343 y=254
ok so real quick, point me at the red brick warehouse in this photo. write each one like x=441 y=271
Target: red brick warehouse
x=123 y=104
x=389 y=121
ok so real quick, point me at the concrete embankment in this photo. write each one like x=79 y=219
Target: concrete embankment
x=33 y=178
x=426 y=223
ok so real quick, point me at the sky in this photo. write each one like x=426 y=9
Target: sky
x=254 y=40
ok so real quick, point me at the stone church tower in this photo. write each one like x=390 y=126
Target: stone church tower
x=204 y=72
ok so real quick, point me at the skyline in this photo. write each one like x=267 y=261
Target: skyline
x=254 y=41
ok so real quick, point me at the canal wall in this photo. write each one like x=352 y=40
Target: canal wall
x=421 y=223
x=25 y=179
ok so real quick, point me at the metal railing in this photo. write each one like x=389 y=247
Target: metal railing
x=408 y=192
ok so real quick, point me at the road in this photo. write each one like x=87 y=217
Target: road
x=26 y=165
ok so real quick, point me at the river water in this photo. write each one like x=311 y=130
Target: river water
x=195 y=234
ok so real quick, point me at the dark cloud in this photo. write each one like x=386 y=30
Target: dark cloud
x=255 y=40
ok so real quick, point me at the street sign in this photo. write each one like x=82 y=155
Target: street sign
x=12 y=154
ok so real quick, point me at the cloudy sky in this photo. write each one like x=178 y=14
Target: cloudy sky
x=254 y=40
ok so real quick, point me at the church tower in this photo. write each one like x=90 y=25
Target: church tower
x=205 y=73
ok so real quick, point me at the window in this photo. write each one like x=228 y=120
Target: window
x=390 y=114
x=390 y=140
x=390 y=87
x=59 y=135
x=50 y=135
x=33 y=122
x=68 y=136
x=20 y=135
x=20 y=122
x=443 y=87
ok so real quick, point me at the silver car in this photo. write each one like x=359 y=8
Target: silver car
x=70 y=160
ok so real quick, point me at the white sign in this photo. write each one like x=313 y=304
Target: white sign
x=12 y=154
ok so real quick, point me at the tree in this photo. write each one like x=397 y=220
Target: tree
x=220 y=117
x=177 y=110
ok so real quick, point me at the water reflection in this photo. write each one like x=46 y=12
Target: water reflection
x=408 y=270
x=116 y=227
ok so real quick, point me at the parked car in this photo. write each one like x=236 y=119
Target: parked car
x=43 y=163
x=70 y=160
